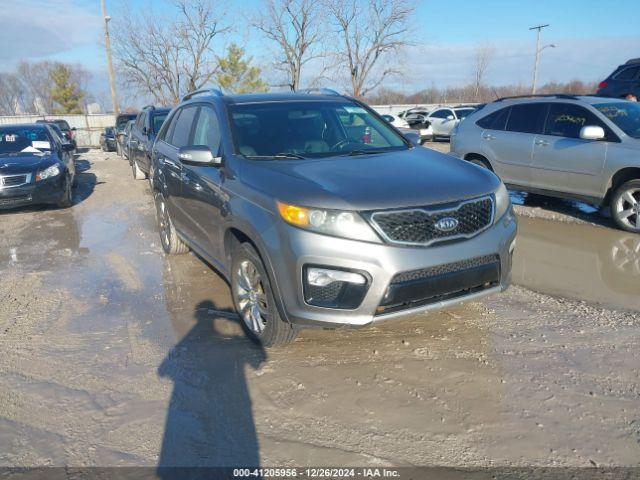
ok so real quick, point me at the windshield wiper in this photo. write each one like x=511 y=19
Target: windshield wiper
x=286 y=155
x=353 y=153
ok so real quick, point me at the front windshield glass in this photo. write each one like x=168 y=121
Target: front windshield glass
x=158 y=120
x=309 y=129
x=626 y=116
x=464 y=112
x=123 y=119
x=23 y=139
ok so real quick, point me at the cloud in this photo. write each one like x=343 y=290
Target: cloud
x=37 y=28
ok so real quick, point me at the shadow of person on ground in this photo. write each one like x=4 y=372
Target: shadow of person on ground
x=209 y=422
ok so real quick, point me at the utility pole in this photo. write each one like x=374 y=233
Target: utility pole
x=538 y=50
x=107 y=41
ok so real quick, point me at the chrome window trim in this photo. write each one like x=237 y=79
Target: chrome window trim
x=428 y=211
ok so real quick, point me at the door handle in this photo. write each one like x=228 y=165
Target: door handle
x=488 y=136
x=542 y=143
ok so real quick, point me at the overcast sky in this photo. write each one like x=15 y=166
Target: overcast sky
x=592 y=37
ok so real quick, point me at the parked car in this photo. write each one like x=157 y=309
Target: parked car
x=395 y=121
x=64 y=127
x=108 y=140
x=320 y=214
x=623 y=81
x=143 y=134
x=35 y=167
x=581 y=147
x=126 y=136
x=444 y=120
x=121 y=123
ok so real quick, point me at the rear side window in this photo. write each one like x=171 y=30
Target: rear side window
x=496 y=120
x=183 y=125
x=207 y=130
x=566 y=120
x=526 y=118
x=441 y=114
x=627 y=73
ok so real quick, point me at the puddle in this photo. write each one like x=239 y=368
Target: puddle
x=582 y=262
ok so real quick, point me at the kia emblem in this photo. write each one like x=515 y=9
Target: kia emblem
x=446 y=224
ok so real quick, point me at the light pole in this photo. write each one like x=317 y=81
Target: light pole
x=538 y=50
x=107 y=41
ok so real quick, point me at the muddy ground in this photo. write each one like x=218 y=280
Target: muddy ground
x=114 y=354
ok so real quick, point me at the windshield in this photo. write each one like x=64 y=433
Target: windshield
x=23 y=139
x=158 y=120
x=62 y=125
x=309 y=129
x=123 y=119
x=464 y=112
x=626 y=116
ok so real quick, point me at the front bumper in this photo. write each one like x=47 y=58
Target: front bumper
x=295 y=248
x=49 y=191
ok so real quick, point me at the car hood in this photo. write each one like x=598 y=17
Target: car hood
x=17 y=163
x=406 y=178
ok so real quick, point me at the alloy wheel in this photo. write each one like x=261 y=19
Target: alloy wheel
x=627 y=208
x=252 y=299
x=164 y=223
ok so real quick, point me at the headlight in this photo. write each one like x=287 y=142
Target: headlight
x=503 y=202
x=330 y=222
x=52 y=171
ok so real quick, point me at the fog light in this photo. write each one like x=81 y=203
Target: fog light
x=331 y=288
x=321 y=277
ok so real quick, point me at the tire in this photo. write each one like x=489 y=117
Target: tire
x=137 y=173
x=67 y=199
x=254 y=301
x=479 y=162
x=625 y=206
x=172 y=244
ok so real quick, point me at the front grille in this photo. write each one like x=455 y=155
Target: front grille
x=413 y=275
x=15 y=201
x=417 y=226
x=425 y=286
x=13 y=180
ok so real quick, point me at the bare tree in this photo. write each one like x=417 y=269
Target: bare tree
x=11 y=94
x=481 y=60
x=36 y=80
x=368 y=32
x=166 y=59
x=294 y=27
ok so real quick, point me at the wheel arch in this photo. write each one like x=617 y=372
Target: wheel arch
x=621 y=176
x=478 y=156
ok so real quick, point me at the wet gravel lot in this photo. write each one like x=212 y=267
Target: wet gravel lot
x=115 y=354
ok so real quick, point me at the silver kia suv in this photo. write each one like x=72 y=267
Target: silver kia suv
x=581 y=147
x=319 y=213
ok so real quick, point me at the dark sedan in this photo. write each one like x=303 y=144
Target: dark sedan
x=63 y=125
x=108 y=140
x=35 y=167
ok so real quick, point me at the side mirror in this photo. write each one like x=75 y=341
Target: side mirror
x=450 y=117
x=74 y=129
x=413 y=137
x=67 y=147
x=198 y=155
x=145 y=131
x=592 y=132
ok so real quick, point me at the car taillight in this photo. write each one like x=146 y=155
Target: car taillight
x=70 y=134
x=602 y=84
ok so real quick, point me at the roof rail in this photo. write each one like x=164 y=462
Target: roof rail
x=321 y=91
x=548 y=95
x=632 y=61
x=216 y=92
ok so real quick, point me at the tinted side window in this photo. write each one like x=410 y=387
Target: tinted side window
x=207 y=130
x=496 y=120
x=441 y=114
x=566 y=120
x=527 y=118
x=182 y=130
x=628 y=73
